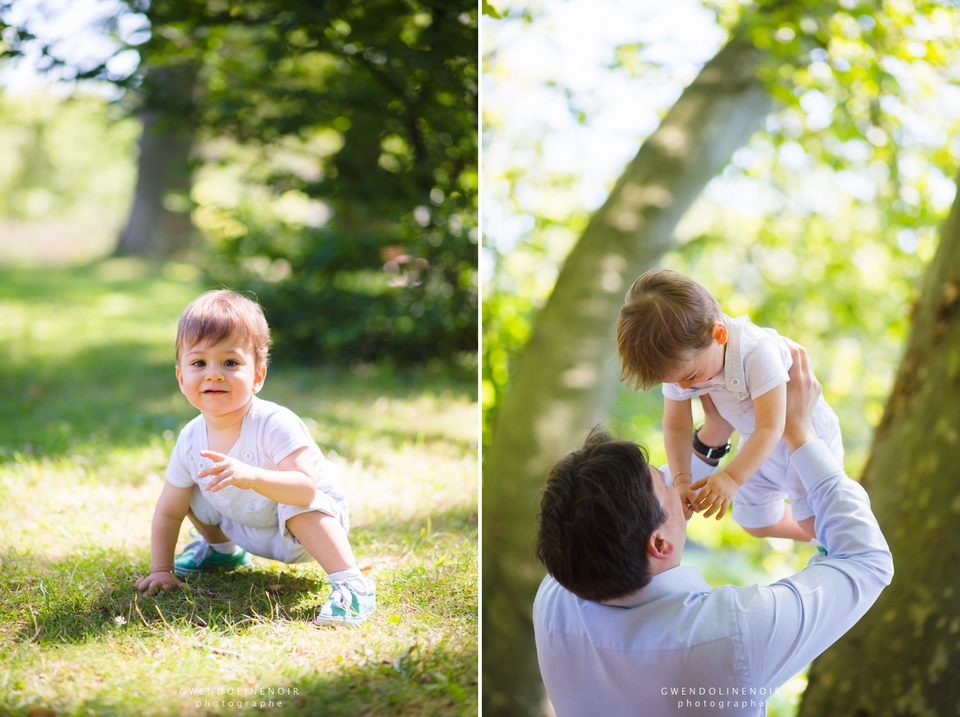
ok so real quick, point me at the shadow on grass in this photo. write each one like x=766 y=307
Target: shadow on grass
x=81 y=380
x=120 y=396
x=438 y=680
x=123 y=396
x=442 y=681
x=91 y=593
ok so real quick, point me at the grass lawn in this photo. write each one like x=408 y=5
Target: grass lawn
x=89 y=417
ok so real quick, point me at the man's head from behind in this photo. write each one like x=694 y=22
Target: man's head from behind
x=597 y=512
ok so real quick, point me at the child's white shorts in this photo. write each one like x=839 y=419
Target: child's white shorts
x=275 y=542
x=759 y=502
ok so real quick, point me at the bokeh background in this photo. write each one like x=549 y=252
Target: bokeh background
x=322 y=156
x=820 y=225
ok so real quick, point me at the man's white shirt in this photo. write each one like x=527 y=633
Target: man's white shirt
x=679 y=647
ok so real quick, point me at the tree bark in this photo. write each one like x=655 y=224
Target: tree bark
x=156 y=227
x=567 y=375
x=903 y=657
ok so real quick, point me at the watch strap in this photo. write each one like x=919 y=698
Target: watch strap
x=708 y=451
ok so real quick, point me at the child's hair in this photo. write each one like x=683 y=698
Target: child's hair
x=221 y=314
x=666 y=317
x=597 y=511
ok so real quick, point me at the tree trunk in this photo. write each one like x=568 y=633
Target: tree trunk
x=566 y=378
x=903 y=657
x=159 y=222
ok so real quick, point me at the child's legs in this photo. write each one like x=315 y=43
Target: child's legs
x=762 y=511
x=214 y=527
x=324 y=538
x=211 y=533
x=205 y=518
x=786 y=527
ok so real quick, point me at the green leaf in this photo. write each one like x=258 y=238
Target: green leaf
x=490 y=10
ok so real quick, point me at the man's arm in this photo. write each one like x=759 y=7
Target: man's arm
x=785 y=625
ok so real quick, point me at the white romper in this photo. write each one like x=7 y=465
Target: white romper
x=256 y=523
x=756 y=361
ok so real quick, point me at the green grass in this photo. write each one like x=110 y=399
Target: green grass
x=90 y=414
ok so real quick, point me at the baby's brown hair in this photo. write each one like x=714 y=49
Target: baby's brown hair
x=221 y=314
x=666 y=318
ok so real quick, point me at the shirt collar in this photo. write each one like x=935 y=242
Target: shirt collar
x=681 y=579
x=733 y=378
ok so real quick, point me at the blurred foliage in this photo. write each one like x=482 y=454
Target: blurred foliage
x=820 y=227
x=336 y=175
x=64 y=157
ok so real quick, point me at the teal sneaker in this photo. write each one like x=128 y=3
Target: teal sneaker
x=199 y=557
x=351 y=602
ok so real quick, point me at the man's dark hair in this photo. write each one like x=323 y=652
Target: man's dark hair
x=597 y=511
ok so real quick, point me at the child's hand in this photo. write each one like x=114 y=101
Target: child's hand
x=687 y=498
x=162 y=580
x=226 y=471
x=715 y=494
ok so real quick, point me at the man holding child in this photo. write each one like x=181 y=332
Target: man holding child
x=623 y=628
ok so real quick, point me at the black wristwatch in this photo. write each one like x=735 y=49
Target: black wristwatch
x=705 y=450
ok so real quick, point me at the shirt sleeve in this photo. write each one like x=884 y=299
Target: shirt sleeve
x=179 y=472
x=787 y=624
x=673 y=392
x=284 y=433
x=765 y=365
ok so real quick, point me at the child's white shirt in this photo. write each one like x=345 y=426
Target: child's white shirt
x=756 y=361
x=269 y=434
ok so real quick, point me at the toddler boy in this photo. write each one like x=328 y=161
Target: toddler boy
x=672 y=331
x=246 y=471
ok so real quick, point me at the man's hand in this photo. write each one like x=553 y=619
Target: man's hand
x=803 y=392
x=715 y=494
x=162 y=580
x=227 y=471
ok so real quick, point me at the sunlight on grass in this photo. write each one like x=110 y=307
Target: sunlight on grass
x=94 y=414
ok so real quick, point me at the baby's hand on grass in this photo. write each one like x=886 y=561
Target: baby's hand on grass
x=226 y=471
x=715 y=494
x=162 y=580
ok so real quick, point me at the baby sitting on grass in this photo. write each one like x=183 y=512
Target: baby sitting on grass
x=246 y=471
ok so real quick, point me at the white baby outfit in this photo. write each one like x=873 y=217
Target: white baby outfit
x=256 y=523
x=756 y=361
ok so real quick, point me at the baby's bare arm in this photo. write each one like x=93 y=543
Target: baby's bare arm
x=294 y=483
x=677 y=431
x=771 y=411
x=172 y=507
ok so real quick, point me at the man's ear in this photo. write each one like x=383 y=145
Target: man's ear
x=720 y=332
x=658 y=547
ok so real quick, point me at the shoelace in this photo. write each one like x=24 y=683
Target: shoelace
x=342 y=596
x=201 y=550
x=343 y=592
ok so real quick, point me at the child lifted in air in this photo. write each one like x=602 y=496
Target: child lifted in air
x=672 y=331
x=246 y=471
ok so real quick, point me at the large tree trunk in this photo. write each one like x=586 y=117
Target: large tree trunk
x=903 y=657
x=157 y=226
x=566 y=378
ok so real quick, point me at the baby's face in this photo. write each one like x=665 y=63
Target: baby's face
x=703 y=366
x=220 y=379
